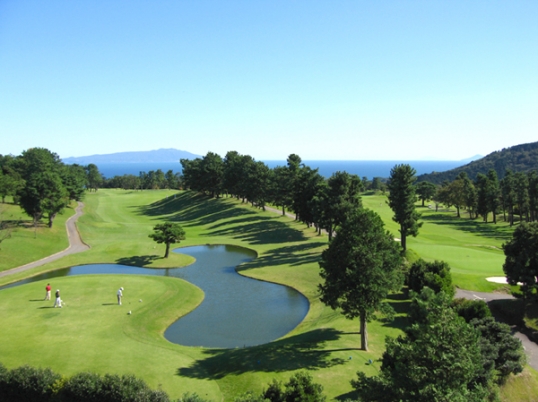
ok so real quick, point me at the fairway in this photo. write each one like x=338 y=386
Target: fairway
x=93 y=333
x=473 y=249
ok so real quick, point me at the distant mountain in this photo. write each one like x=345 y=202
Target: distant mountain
x=519 y=158
x=156 y=156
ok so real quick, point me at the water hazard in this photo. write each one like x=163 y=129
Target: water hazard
x=236 y=312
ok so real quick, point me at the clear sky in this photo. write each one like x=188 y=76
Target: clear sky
x=340 y=80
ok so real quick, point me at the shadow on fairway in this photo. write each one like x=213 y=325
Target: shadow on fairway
x=37 y=300
x=295 y=255
x=476 y=227
x=46 y=307
x=400 y=303
x=263 y=230
x=225 y=218
x=304 y=351
x=193 y=208
x=137 y=260
x=109 y=304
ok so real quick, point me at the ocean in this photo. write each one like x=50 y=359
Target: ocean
x=370 y=169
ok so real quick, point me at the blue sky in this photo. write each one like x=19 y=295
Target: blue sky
x=334 y=80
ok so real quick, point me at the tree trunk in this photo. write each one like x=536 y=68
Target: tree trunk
x=51 y=219
x=167 y=252
x=283 y=210
x=403 y=240
x=364 y=332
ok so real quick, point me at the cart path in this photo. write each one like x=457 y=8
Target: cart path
x=530 y=347
x=76 y=245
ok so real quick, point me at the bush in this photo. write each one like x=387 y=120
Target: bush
x=91 y=387
x=435 y=275
x=27 y=383
x=299 y=388
x=469 y=309
x=188 y=397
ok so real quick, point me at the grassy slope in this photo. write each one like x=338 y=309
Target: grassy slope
x=472 y=248
x=26 y=244
x=116 y=225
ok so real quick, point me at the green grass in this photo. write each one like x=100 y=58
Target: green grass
x=116 y=225
x=90 y=334
x=26 y=243
x=473 y=249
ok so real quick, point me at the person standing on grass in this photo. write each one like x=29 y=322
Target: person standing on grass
x=48 y=288
x=58 y=301
x=120 y=295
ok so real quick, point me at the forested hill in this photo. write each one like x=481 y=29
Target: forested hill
x=519 y=158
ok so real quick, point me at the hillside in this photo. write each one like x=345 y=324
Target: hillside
x=519 y=158
x=160 y=155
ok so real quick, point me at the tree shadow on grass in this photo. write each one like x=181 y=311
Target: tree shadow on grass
x=489 y=230
x=192 y=209
x=261 y=231
x=137 y=260
x=303 y=351
x=296 y=255
x=400 y=303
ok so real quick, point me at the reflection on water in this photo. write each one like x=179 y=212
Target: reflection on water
x=237 y=311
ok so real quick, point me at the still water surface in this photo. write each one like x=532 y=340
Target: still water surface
x=237 y=311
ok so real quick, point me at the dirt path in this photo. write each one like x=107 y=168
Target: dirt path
x=76 y=245
x=531 y=348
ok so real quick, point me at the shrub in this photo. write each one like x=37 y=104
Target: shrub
x=469 y=309
x=91 y=387
x=435 y=275
x=299 y=388
x=188 y=397
x=27 y=383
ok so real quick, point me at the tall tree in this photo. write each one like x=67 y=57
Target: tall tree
x=168 y=233
x=342 y=193
x=425 y=191
x=44 y=192
x=532 y=180
x=521 y=263
x=95 y=178
x=360 y=267
x=482 y=207
x=521 y=188
x=508 y=195
x=493 y=193
x=470 y=195
x=437 y=359
x=402 y=201
x=212 y=170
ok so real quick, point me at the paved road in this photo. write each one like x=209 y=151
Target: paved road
x=76 y=245
x=531 y=348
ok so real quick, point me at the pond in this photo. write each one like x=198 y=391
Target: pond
x=237 y=311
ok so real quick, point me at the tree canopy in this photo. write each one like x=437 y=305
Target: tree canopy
x=168 y=233
x=402 y=201
x=360 y=267
x=521 y=263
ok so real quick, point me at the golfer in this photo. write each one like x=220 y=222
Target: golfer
x=48 y=288
x=120 y=295
x=58 y=301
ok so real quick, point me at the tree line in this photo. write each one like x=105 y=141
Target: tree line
x=151 y=180
x=515 y=195
x=42 y=185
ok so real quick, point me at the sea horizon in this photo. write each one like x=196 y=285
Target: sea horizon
x=362 y=168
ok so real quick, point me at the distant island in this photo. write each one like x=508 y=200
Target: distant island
x=162 y=155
